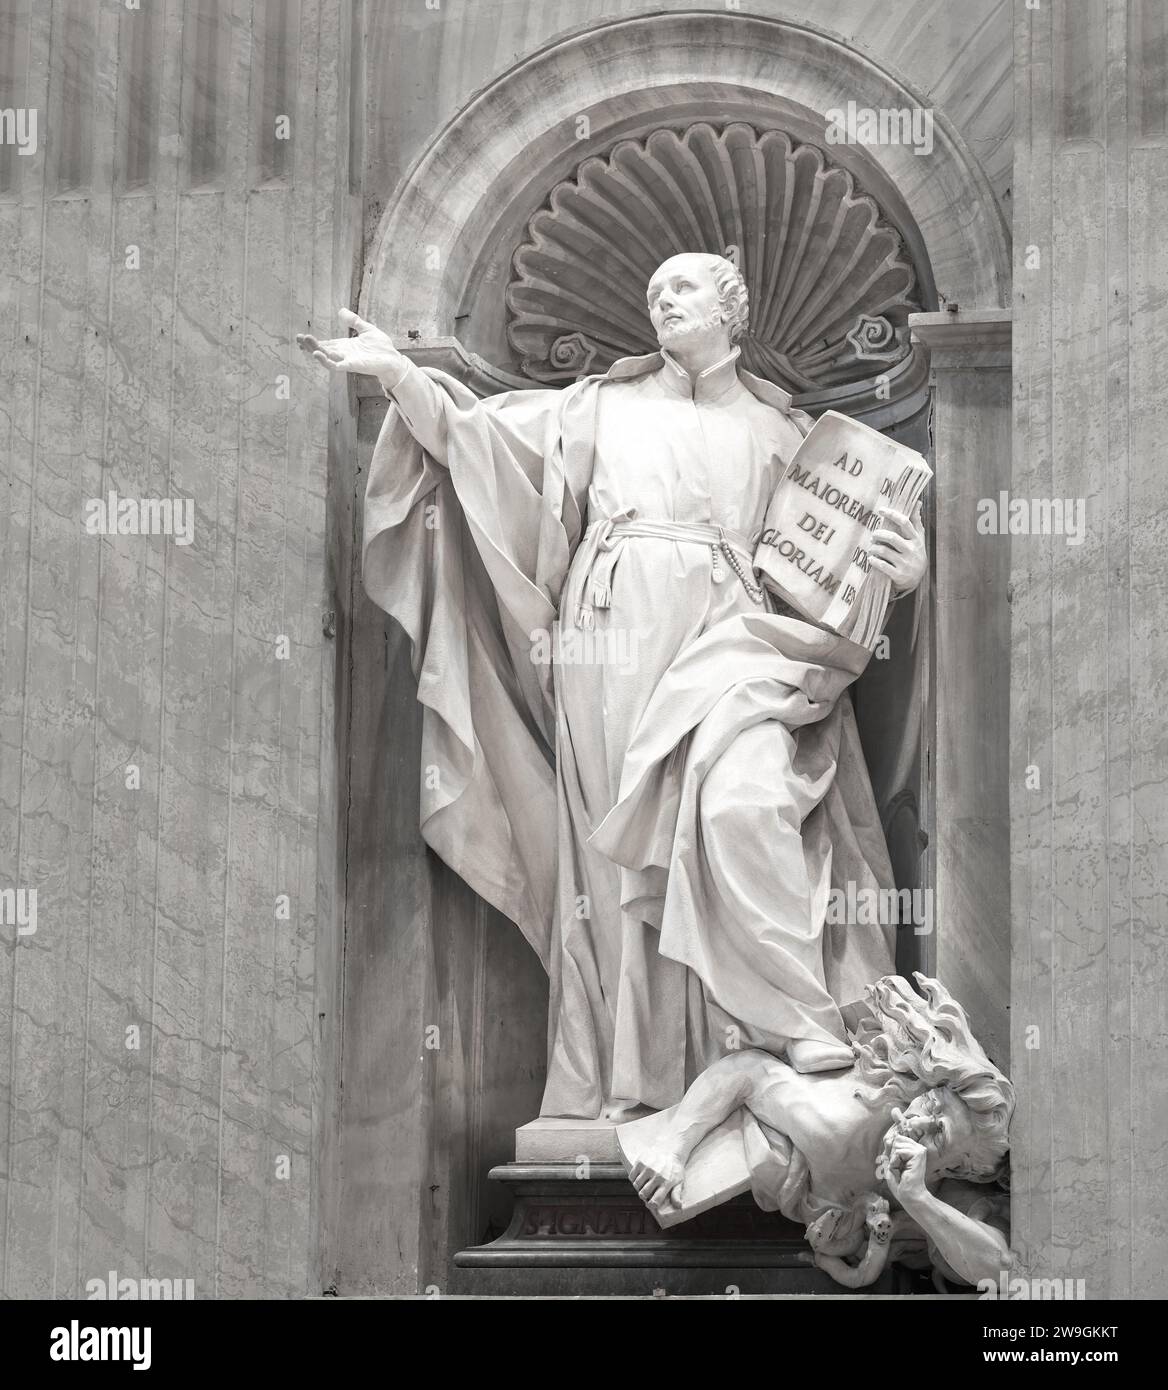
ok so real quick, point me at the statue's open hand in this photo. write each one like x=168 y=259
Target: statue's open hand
x=370 y=353
x=657 y=1176
x=905 y=1170
x=897 y=549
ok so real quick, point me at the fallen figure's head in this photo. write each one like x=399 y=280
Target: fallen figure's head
x=872 y=1160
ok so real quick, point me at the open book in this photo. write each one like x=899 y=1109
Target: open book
x=813 y=551
x=717 y=1169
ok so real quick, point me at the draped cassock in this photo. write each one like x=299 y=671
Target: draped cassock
x=663 y=806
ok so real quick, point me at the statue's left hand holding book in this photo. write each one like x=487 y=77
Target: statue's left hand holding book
x=816 y=549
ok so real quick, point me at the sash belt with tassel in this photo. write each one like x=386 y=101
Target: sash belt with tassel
x=590 y=586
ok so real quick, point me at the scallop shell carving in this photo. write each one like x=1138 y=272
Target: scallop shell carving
x=831 y=282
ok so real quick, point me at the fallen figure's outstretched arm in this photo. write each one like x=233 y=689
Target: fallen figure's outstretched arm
x=720 y=1090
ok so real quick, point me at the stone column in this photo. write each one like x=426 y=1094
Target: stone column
x=967 y=786
x=1089 y=746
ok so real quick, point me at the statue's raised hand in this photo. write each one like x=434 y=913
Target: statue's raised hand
x=370 y=353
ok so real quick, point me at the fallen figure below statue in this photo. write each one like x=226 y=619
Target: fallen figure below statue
x=899 y=1158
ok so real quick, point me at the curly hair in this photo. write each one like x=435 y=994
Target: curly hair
x=733 y=299
x=913 y=1041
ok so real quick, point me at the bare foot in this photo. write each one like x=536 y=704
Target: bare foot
x=620 y=1112
x=806 y=1055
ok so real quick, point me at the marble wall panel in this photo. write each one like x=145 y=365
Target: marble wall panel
x=162 y=1065
x=1088 y=758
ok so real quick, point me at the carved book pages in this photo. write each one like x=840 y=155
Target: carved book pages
x=813 y=550
x=716 y=1170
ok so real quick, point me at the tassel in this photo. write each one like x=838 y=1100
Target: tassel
x=585 y=618
x=601 y=595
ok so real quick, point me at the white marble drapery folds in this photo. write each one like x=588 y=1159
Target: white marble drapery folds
x=664 y=818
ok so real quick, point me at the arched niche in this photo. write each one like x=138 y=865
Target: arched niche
x=443 y=255
x=436 y=277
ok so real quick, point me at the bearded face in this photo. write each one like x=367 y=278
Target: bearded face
x=686 y=326
x=941 y=1123
x=684 y=303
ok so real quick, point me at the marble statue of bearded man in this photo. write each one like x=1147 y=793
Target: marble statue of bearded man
x=630 y=747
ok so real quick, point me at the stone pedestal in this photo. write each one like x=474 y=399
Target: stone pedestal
x=567 y=1141
x=579 y=1228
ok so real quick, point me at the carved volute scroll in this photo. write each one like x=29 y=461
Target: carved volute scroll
x=831 y=281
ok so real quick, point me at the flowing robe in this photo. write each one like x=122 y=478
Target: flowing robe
x=663 y=806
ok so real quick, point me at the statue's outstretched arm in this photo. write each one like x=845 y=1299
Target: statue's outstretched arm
x=421 y=403
x=370 y=353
